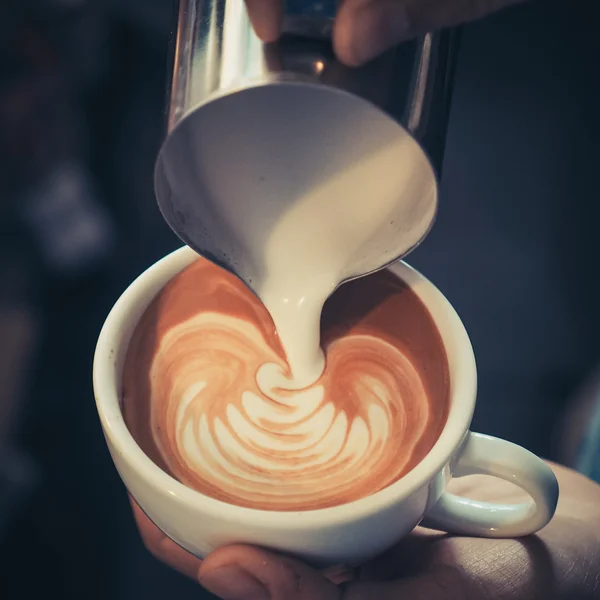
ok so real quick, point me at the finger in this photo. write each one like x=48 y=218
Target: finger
x=248 y=573
x=445 y=583
x=366 y=28
x=339 y=574
x=162 y=548
x=266 y=17
x=413 y=555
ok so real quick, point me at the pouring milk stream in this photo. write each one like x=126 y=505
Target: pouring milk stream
x=293 y=171
x=305 y=188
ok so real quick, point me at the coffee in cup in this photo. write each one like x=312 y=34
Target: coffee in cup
x=209 y=397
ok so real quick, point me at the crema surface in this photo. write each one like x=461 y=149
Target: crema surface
x=209 y=396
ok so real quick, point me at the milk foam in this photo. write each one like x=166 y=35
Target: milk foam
x=262 y=440
x=328 y=232
x=208 y=394
x=297 y=188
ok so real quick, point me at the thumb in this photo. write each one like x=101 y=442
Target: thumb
x=249 y=573
x=366 y=28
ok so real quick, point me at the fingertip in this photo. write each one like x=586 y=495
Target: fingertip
x=343 y=40
x=239 y=571
x=163 y=548
x=228 y=573
x=237 y=553
x=266 y=17
x=363 y=31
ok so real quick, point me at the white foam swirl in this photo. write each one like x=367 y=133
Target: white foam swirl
x=230 y=423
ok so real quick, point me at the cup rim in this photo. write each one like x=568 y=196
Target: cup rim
x=112 y=347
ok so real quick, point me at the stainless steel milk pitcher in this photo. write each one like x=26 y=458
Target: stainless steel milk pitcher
x=216 y=56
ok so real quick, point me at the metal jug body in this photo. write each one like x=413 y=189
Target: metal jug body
x=217 y=56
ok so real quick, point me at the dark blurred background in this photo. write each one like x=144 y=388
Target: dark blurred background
x=81 y=118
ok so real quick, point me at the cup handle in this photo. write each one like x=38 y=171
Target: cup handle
x=486 y=455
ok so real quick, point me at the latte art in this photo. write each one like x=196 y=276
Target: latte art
x=209 y=396
x=230 y=424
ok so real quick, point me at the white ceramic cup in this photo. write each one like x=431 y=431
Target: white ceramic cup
x=353 y=532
